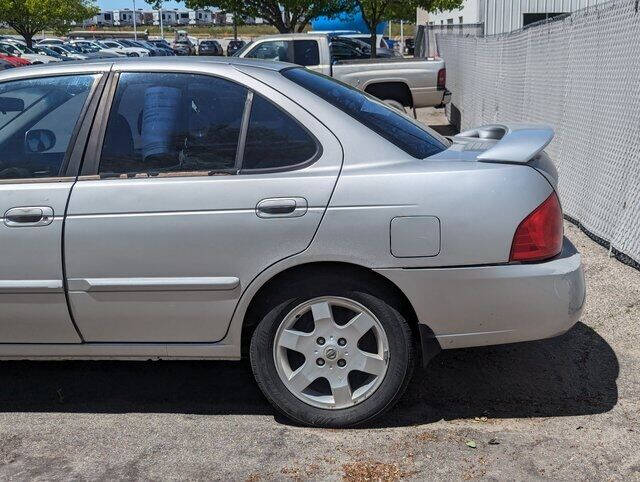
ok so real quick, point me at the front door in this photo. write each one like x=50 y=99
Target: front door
x=37 y=124
x=199 y=184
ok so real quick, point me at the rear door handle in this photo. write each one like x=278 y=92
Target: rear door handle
x=290 y=207
x=28 y=216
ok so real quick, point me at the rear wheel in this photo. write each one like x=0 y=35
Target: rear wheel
x=333 y=355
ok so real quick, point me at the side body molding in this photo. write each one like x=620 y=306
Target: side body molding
x=222 y=283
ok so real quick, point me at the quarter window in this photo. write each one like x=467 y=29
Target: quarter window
x=173 y=123
x=37 y=119
x=275 y=140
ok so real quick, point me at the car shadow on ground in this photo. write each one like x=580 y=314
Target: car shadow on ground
x=571 y=375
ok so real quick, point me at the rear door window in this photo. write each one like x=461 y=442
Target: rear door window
x=301 y=52
x=166 y=122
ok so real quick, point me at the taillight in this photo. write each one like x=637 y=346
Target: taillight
x=539 y=235
x=442 y=79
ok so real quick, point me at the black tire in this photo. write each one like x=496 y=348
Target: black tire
x=401 y=362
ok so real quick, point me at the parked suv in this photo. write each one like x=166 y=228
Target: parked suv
x=235 y=46
x=184 y=47
x=210 y=47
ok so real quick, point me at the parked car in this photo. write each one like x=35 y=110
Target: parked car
x=164 y=45
x=234 y=46
x=122 y=50
x=210 y=47
x=264 y=210
x=12 y=59
x=51 y=41
x=364 y=49
x=399 y=82
x=91 y=49
x=151 y=52
x=184 y=47
x=5 y=64
x=46 y=50
x=68 y=51
x=19 y=50
x=352 y=34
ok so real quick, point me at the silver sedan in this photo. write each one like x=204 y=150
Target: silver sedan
x=223 y=208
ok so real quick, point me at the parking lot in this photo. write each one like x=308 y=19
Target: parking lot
x=561 y=408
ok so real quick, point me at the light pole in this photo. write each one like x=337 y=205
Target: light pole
x=161 y=26
x=135 y=31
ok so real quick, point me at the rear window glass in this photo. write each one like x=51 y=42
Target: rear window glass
x=385 y=121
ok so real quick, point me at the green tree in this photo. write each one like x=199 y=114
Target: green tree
x=285 y=15
x=375 y=12
x=28 y=17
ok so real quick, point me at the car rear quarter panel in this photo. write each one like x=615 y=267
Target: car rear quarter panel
x=479 y=207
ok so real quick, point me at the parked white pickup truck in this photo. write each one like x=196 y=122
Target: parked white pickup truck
x=397 y=81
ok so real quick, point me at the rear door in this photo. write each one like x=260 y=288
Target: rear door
x=194 y=185
x=39 y=124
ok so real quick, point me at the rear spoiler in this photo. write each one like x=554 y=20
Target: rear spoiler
x=517 y=143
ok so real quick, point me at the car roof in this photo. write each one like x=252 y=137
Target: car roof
x=162 y=63
x=292 y=36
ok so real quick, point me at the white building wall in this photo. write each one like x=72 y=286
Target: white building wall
x=505 y=15
x=470 y=13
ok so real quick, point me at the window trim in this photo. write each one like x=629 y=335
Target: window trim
x=93 y=153
x=69 y=168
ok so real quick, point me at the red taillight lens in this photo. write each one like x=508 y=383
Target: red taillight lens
x=539 y=236
x=442 y=79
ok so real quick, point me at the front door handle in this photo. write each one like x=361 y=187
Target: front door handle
x=28 y=216
x=290 y=207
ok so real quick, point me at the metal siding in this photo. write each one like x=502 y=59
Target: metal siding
x=506 y=15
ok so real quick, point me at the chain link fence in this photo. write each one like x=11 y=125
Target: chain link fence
x=580 y=74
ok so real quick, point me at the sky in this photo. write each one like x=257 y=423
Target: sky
x=115 y=4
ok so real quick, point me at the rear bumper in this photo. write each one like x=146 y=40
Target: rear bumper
x=490 y=305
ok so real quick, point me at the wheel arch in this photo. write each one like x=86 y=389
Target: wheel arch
x=380 y=286
x=392 y=90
